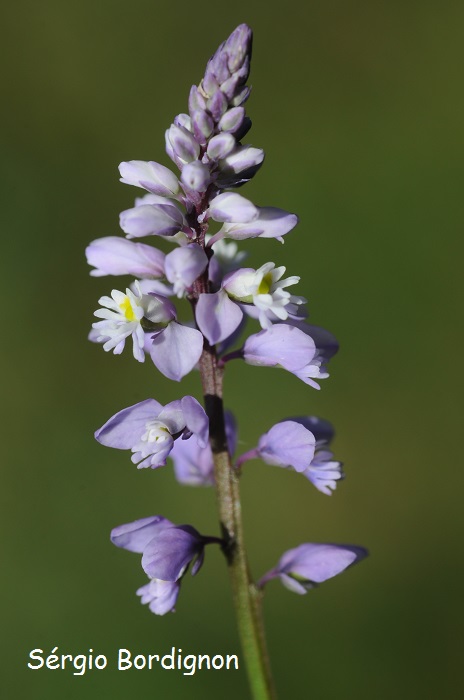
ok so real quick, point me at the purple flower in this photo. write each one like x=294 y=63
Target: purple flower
x=271 y=222
x=167 y=551
x=300 y=444
x=304 y=567
x=287 y=345
x=117 y=256
x=149 y=429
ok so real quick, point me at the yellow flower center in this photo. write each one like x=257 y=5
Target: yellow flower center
x=128 y=311
x=265 y=284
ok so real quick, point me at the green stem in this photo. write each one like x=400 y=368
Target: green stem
x=247 y=598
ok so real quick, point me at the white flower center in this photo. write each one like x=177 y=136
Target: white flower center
x=156 y=431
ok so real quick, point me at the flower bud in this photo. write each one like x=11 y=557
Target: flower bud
x=196 y=100
x=196 y=176
x=183 y=144
x=217 y=105
x=154 y=177
x=221 y=146
x=232 y=119
x=202 y=125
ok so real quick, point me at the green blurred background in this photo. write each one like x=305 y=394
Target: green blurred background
x=359 y=107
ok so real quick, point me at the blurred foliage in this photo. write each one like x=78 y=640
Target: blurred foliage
x=359 y=106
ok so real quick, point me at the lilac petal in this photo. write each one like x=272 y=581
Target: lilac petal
x=135 y=536
x=279 y=345
x=217 y=316
x=176 y=350
x=117 y=256
x=317 y=563
x=231 y=207
x=184 y=265
x=161 y=596
x=169 y=553
x=196 y=419
x=154 y=177
x=126 y=427
x=287 y=444
x=151 y=220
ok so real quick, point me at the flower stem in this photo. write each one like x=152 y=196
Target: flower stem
x=247 y=597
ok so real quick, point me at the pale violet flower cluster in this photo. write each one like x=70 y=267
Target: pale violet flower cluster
x=197 y=211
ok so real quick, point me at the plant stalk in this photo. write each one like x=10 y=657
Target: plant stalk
x=247 y=597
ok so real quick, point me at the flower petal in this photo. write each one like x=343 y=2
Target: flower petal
x=232 y=207
x=318 y=562
x=176 y=350
x=281 y=345
x=287 y=444
x=125 y=428
x=196 y=419
x=217 y=316
x=136 y=535
x=161 y=596
x=118 y=256
x=170 y=552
